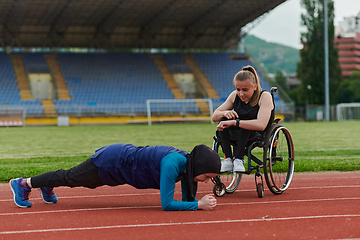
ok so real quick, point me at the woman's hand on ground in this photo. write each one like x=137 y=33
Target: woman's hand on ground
x=208 y=202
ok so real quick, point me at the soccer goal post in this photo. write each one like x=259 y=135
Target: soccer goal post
x=348 y=111
x=162 y=110
x=12 y=116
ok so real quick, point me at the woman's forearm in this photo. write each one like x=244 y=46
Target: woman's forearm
x=254 y=124
x=217 y=115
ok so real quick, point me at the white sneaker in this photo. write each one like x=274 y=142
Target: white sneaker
x=226 y=165
x=239 y=165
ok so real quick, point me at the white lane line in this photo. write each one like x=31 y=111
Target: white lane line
x=200 y=192
x=263 y=219
x=301 y=176
x=76 y=210
x=100 y=196
x=322 y=187
x=144 y=207
x=292 y=201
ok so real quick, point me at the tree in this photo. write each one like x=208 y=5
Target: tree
x=311 y=68
x=349 y=89
x=280 y=79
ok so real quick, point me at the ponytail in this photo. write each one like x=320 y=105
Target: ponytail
x=248 y=72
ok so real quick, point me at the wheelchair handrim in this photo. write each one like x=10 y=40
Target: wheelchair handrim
x=290 y=170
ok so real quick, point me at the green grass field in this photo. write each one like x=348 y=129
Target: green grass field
x=24 y=152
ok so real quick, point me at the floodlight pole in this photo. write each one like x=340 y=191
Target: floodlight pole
x=327 y=108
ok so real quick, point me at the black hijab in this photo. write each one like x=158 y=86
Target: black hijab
x=201 y=160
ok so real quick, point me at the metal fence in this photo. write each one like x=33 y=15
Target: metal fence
x=182 y=108
x=118 y=110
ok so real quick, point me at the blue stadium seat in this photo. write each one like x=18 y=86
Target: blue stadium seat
x=123 y=80
x=176 y=63
x=35 y=63
x=220 y=71
x=112 y=78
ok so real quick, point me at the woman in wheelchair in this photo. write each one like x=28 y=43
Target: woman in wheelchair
x=248 y=109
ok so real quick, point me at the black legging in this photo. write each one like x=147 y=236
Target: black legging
x=83 y=175
x=242 y=140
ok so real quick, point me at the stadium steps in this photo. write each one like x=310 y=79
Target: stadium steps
x=203 y=106
x=49 y=108
x=23 y=82
x=63 y=92
x=174 y=88
x=200 y=77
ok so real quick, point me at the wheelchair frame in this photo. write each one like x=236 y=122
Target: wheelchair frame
x=277 y=167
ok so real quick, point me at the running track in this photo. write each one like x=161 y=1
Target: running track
x=316 y=206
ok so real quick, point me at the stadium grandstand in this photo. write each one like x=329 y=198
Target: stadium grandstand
x=100 y=61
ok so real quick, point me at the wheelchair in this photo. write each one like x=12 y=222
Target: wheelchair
x=270 y=153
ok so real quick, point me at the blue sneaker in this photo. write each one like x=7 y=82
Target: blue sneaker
x=48 y=195
x=21 y=194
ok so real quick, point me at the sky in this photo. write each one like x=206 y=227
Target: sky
x=283 y=24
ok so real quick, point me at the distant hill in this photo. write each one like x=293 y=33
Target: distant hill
x=272 y=57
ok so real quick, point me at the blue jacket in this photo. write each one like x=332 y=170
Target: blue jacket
x=156 y=167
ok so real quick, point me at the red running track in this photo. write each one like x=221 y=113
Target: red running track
x=316 y=206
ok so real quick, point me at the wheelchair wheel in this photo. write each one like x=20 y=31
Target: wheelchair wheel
x=231 y=180
x=219 y=189
x=260 y=190
x=278 y=158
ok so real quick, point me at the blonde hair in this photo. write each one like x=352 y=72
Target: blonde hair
x=248 y=72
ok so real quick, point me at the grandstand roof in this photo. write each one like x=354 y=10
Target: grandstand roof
x=176 y=24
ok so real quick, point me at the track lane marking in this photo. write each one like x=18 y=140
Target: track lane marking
x=145 y=207
x=292 y=201
x=263 y=219
x=200 y=192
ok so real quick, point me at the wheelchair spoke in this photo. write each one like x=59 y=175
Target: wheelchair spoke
x=230 y=180
x=279 y=160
